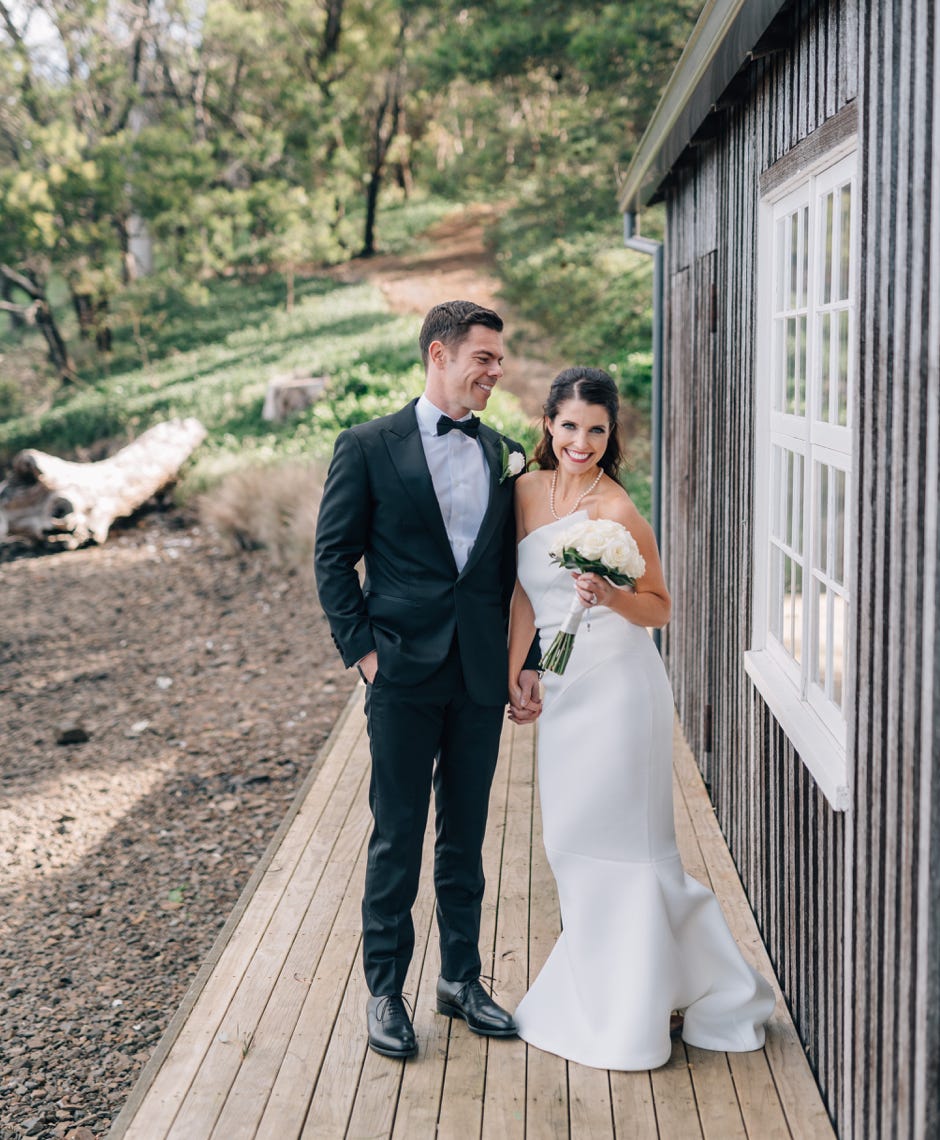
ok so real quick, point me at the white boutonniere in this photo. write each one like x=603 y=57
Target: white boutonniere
x=513 y=462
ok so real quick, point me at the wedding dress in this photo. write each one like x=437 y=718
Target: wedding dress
x=640 y=937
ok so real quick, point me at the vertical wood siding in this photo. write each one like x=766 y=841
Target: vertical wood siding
x=847 y=903
x=894 y=1077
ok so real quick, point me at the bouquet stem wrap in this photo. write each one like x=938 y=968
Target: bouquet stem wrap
x=557 y=655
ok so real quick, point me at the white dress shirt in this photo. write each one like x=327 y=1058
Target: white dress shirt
x=461 y=479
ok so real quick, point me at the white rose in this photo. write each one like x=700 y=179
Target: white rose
x=591 y=543
x=515 y=463
x=621 y=553
x=566 y=540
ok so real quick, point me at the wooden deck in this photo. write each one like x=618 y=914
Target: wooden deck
x=270 y=1041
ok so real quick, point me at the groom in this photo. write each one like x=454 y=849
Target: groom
x=425 y=496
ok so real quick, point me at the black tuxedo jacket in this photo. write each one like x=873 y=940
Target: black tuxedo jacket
x=379 y=503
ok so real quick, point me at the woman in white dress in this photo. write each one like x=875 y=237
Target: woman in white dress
x=640 y=938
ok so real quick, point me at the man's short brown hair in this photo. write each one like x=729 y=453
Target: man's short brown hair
x=451 y=321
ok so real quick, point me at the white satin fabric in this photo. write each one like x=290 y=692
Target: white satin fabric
x=641 y=938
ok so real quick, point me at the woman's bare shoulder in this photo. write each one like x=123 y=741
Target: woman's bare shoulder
x=621 y=508
x=529 y=483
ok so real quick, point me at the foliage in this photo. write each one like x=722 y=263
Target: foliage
x=213 y=361
x=230 y=148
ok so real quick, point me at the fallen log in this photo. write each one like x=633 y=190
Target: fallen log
x=55 y=500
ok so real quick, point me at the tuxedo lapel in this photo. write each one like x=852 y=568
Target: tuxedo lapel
x=403 y=442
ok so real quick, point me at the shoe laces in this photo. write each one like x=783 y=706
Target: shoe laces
x=489 y=979
x=389 y=1003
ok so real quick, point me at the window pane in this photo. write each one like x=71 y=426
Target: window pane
x=790 y=406
x=782 y=493
x=840 y=613
x=782 y=262
x=825 y=364
x=838 y=541
x=800 y=382
x=804 y=266
x=822 y=517
x=777 y=560
x=793 y=609
x=795 y=506
x=820 y=633
x=793 y=275
x=845 y=241
x=826 y=250
x=842 y=390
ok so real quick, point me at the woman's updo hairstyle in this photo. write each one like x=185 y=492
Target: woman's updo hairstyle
x=592 y=386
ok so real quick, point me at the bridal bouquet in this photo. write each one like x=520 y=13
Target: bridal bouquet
x=598 y=546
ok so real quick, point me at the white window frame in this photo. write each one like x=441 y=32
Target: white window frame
x=813 y=723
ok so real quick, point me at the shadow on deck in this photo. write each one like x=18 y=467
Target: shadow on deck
x=270 y=1040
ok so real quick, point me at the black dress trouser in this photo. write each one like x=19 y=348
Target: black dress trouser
x=428 y=735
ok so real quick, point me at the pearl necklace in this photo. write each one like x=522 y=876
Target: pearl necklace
x=583 y=495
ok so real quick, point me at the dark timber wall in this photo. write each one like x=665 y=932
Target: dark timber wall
x=847 y=902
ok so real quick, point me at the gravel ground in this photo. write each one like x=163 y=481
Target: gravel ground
x=160 y=703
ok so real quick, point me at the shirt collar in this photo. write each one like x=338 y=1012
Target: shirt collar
x=428 y=415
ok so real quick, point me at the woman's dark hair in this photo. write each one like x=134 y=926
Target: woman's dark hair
x=593 y=386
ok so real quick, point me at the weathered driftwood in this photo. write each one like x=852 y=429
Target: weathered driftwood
x=74 y=503
x=290 y=393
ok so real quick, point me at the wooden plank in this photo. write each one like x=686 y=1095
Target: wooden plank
x=459 y=1075
x=634 y=1113
x=171 y=1083
x=504 y=1094
x=589 y=1109
x=714 y=1088
x=690 y=852
x=546 y=1075
x=257 y=1073
x=342 y=1069
x=293 y=1087
x=797 y=1090
x=676 y=1110
x=422 y=1080
x=230 y=1043
x=383 y=1078
x=762 y=1113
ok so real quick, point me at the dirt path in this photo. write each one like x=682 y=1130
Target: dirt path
x=458 y=266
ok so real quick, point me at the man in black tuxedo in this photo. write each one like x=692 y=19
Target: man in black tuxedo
x=425 y=496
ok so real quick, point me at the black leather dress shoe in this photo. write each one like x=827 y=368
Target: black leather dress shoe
x=470 y=1001
x=390 y=1030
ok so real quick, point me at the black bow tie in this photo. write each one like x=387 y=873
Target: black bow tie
x=469 y=427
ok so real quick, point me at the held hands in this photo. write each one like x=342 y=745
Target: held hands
x=525 y=700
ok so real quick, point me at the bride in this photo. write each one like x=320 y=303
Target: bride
x=640 y=938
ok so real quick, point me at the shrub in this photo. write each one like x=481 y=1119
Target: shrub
x=271 y=507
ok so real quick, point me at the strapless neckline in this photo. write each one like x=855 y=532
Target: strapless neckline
x=554 y=522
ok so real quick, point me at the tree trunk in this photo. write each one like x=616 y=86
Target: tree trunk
x=41 y=312
x=55 y=344
x=331 y=30
x=52 y=499
x=372 y=203
x=384 y=127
